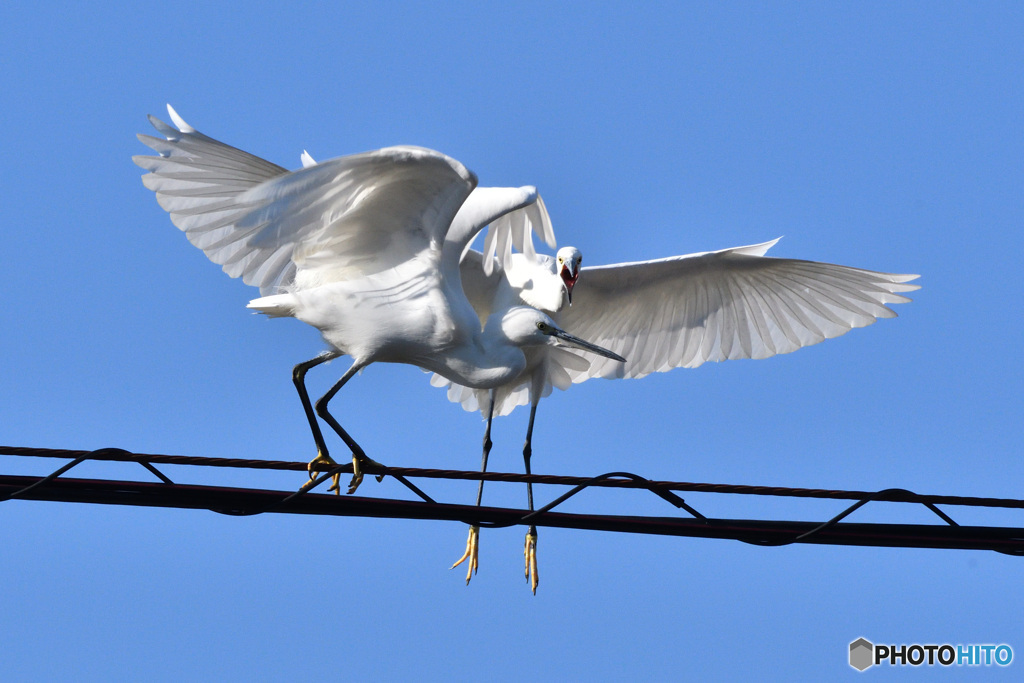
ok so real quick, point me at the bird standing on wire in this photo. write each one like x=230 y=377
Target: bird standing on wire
x=366 y=248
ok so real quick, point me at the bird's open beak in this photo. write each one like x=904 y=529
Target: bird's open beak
x=569 y=274
x=565 y=339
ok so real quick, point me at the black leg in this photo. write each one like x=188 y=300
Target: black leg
x=487 y=448
x=473 y=542
x=358 y=455
x=299 y=379
x=324 y=413
x=530 y=549
x=528 y=452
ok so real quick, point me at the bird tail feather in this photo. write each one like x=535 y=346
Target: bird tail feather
x=275 y=306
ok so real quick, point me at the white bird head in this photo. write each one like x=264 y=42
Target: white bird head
x=567 y=266
x=526 y=326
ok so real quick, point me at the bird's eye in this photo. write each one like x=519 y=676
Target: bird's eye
x=559 y=259
x=540 y=325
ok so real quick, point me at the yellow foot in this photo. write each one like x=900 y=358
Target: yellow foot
x=530 y=554
x=325 y=462
x=472 y=553
x=357 y=471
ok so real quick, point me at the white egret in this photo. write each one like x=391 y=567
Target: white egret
x=366 y=248
x=539 y=281
x=675 y=312
x=521 y=278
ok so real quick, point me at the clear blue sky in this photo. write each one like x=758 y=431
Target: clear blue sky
x=887 y=136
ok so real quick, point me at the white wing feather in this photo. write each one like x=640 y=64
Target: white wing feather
x=722 y=305
x=509 y=213
x=342 y=218
x=516 y=229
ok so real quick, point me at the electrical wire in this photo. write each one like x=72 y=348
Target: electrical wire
x=243 y=502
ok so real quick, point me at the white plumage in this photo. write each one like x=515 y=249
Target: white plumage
x=366 y=248
x=373 y=250
x=683 y=311
x=680 y=311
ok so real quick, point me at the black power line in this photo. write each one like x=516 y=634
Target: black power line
x=241 y=501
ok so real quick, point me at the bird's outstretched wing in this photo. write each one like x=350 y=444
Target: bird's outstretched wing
x=510 y=214
x=713 y=306
x=342 y=218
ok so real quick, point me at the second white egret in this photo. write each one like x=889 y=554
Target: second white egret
x=680 y=311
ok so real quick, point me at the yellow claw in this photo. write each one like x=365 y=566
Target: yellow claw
x=530 y=555
x=325 y=462
x=472 y=553
x=357 y=475
x=357 y=471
